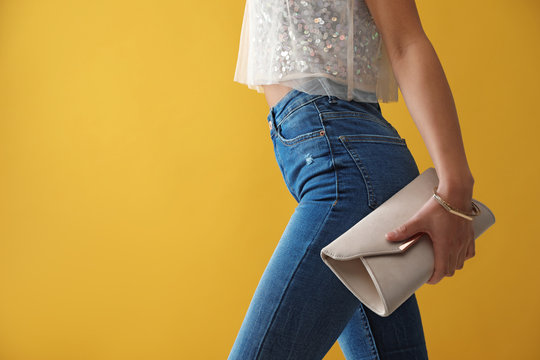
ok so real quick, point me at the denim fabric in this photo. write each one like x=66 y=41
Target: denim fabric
x=340 y=160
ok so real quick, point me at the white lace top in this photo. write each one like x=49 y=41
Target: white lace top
x=322 y=47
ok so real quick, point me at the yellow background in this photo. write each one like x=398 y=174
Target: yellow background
x=140 y=199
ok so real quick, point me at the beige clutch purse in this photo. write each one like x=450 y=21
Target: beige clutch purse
x=383 y=274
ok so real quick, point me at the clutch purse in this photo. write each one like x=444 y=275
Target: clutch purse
x=383 y=274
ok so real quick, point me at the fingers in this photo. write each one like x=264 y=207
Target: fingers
x=446 y=262
x=461 y=258
x=451 y=265
x=405 y=230
x=470 y=250
x=470 y=247
x=441 y=262
x=467 y=252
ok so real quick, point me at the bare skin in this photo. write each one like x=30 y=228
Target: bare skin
x=429 y=100
x=274 y=93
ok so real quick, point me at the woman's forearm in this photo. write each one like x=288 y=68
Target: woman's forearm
x=429 y=100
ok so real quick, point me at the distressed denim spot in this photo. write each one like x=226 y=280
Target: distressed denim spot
x=309 y=158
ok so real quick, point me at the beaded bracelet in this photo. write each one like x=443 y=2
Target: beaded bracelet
x=453 y=210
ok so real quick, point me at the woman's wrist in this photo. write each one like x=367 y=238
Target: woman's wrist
x=457 y=191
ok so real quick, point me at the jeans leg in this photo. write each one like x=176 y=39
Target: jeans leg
x=340 y=160
x=356 y=339
x=399 y=336
x=300 y=307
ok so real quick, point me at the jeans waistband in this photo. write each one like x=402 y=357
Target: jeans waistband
x=293 y=100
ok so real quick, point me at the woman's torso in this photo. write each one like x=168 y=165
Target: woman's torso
x=274 y=93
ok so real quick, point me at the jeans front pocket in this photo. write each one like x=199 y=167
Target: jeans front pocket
x=302 y=124
x=384 y=161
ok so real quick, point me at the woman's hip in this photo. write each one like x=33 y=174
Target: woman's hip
x=332 y=150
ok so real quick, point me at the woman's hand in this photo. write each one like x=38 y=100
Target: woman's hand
x=452 y=236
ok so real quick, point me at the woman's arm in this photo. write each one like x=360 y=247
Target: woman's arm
x=428 y=97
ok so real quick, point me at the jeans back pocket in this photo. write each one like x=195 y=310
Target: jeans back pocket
x=384 y=161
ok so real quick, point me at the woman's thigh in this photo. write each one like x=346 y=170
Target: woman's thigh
x=339 y=160
x=299 y=307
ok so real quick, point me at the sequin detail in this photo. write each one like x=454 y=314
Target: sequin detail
x=291 y=40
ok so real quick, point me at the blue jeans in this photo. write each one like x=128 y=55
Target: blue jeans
x=340 y=160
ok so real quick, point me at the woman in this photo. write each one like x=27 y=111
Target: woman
x=323 y=67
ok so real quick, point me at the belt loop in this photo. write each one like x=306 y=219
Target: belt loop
x=271 y=118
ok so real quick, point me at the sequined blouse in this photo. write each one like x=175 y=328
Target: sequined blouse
x=322 y=47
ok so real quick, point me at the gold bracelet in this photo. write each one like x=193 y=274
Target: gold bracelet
x=453 y=210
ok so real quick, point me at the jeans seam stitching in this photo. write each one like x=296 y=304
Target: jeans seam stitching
x=308 y=248
x=370 y=337
x=372 y=200
x=331 y=154
x=421 y=345
x=376 y=138
x=285 y=177
x=298 y=107
x=299 y=138
x=347 y=114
